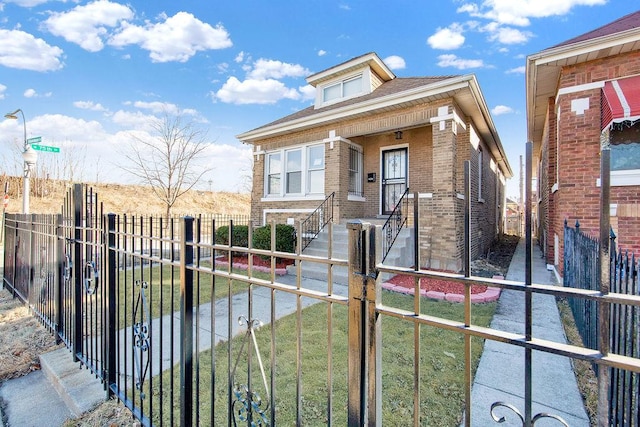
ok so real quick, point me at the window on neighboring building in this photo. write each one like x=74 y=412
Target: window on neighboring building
x=302 y=169
x=355 y=171
x=625 y=156
x=273 y=174
x=343 y=89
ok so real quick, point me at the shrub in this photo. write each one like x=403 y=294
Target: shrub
x=240 y=236
x=285 y=238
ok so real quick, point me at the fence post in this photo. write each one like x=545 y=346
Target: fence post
x=77 y=271
x=356 y=357
x=61 y=275
x=604 y=373
x=112 y=271
x=186 y=322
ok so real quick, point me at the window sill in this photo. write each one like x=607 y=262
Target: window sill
x=554 y=188
x=293 y=198
x=354 y=198
x=623 y=178
x=480 y=200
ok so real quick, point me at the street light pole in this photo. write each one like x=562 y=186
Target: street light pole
x=30 y=157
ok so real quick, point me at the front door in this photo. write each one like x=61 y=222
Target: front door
x=394 y=178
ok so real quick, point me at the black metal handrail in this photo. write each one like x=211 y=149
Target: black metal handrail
x=391 y=228
x=316 y=221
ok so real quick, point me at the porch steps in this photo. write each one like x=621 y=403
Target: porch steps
x=401 y=254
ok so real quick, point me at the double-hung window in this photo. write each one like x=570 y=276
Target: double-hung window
x=273 y=174
x=315 y=169
x=294 y=171
x=343 y=89
x=301 y=169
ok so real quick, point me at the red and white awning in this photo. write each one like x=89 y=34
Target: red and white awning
x=620 y=101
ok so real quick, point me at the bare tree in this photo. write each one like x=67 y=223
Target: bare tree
x=167 y=160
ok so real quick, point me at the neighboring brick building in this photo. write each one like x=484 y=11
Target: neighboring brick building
x=579 y=93
x=371 y=135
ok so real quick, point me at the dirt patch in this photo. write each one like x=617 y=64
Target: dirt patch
x=22 y=338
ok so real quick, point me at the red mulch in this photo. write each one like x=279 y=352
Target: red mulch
x=438 y=285
x=257 y=261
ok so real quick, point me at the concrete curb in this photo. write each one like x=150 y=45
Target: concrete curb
x=79 y=389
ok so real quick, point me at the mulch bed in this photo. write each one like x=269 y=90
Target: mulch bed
x=259 y=264
x=437 y=285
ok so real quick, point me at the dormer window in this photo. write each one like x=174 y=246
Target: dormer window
x=343 y=89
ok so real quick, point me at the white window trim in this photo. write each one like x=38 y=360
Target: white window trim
x=624 y=178
x=351 y=196
x=283 y=175
x=341 y=82
x=480 y=173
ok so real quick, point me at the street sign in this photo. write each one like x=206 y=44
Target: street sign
x=34 y=139
x=47 y=148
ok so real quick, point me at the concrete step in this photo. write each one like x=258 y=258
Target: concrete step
x=401 y=254
x=78 y=388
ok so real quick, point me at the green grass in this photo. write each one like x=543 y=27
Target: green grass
x=441 y=375
x=163 y=289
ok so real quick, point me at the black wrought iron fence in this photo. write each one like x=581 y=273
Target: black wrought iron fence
x=582 y=271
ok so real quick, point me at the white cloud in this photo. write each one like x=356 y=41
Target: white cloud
x=271 y=69
x=322 y=52
x=517 y=70
x=3 y=88
x=87 y=25
x=158 y=107
x=89 y=105
x=133 y=120
x=178 y=38
x=308 y=92
x=501 y=109
x=506 y=35
x=395 y=62
x=447 y=38
x=450 y=60
x=344 y=6
x=31 y=93
x=519 y=12
x=25 y=52
x=253 y=91
x=239 y=57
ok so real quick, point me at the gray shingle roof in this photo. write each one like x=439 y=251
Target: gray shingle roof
x=625 y=23
x=397 y=85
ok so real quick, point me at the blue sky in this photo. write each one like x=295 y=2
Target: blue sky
x=89 y=75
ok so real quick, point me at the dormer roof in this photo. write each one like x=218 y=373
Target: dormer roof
x=368 y=60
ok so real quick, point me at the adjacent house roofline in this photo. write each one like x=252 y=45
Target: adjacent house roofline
x=543 y=68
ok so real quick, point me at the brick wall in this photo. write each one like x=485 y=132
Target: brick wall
x=578 y=160
x=436 y=161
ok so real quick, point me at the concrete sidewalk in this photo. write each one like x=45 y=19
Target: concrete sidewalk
x=500 y=374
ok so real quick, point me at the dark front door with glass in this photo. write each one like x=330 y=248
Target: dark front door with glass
x=394 y=178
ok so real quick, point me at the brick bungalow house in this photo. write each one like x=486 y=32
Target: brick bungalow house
x=371 y=135
x=581 y=93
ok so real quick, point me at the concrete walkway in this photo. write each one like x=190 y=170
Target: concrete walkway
x=500 y=374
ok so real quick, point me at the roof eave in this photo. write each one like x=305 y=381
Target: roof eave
x=350 y=110
x=548 y=63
